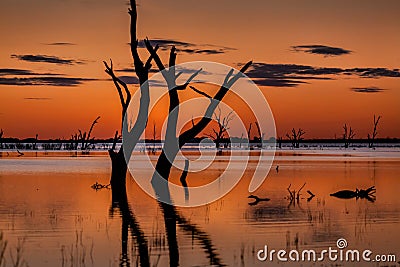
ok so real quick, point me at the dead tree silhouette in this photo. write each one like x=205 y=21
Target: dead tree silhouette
x=1 y=138
x=85 y=137
x=119 y=158
x=348 y=135
x=219 y=134
x=259 y=139
x=371 y=137
x=249 y=133
x=296 y=137
x=173 y=143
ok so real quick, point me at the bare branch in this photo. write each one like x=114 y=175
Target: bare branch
x=300 y=133
x=178 y=75
x=184 y=86
x=190 y=78
x=109 y=70
x=238 y=75
x=375 y=132
x=258 y=130
x=172 y=57
x=91 y=127
x=200 y=92
x=148 y=62
x=249 y=132
x=153 y=53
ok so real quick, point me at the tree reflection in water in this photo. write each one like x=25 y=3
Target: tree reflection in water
x=172 y=219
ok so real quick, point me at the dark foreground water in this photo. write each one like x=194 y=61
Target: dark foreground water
x=47 y=208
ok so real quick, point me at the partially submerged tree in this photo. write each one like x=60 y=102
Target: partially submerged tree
x=219 y=134
x=371 y=137
x=133 y=132
x=348 y=135
x=85 y=137
x=296 y=137
x=174 y=143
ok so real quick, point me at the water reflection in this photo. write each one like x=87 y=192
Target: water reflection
x=128 y=224
x=368 y=194
x=172 y=219
x=66 y=217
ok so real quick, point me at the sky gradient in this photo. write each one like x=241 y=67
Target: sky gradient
x=319 y=64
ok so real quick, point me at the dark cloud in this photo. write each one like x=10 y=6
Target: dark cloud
x=179 y=68
x=60 y=44
x=22 y=72
x=14 y=72
x=321 y=50
x=23 y=77
x=47 y=59
x=37 y=98
x=132 y=70
x=189 y=48
x=278 y=82
x=373 y=72
x=41 y=81
x=135 y=80
x=129 y=79
x=291 y=75
x=371 y=89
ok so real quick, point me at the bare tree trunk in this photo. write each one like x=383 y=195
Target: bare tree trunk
x=371 y=138
x=173 y=143
x=119 y=159
x=118 y=170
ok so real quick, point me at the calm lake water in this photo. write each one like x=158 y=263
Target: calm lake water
x=47 y=204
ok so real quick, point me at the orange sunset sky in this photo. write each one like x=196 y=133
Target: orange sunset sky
x=320 y=64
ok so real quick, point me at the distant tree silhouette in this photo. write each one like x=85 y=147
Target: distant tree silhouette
x=1 y=138
x=34 y=144
x=219 y=134
x=249 y=132
x=259 y=139
x=85 y=137
x=348 y=135
x=280 y=139
x=82 y=138
x=153 y=150
x=296 y=137
x=371 y=137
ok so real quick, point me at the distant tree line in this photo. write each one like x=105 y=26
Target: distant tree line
x=84 y=140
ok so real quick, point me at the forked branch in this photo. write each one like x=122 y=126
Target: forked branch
x=229 y=81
